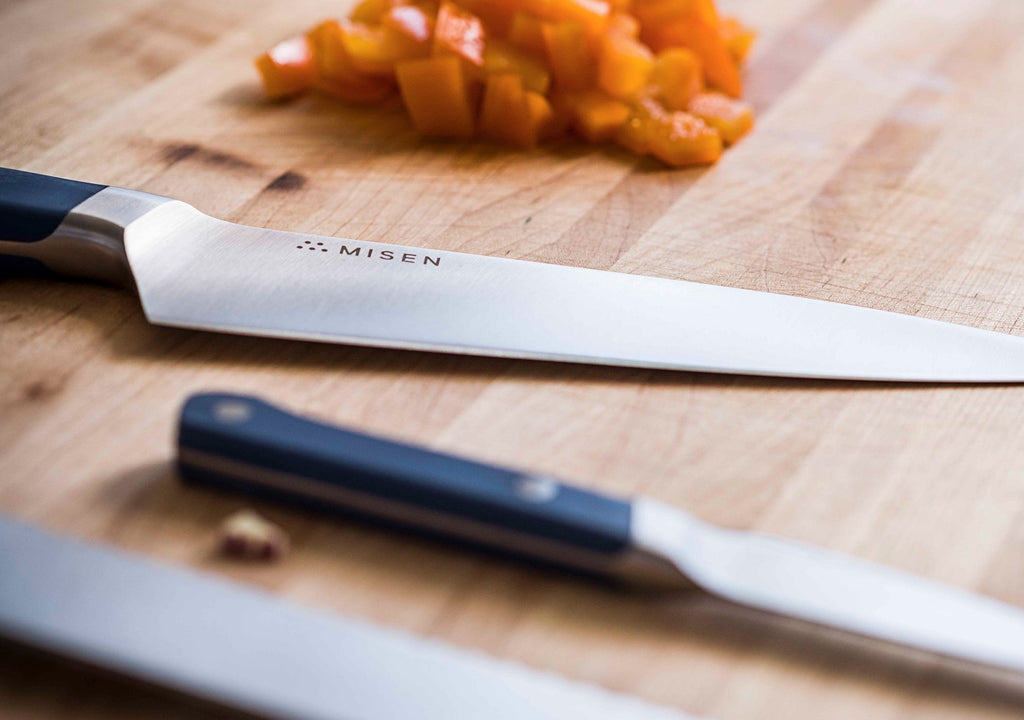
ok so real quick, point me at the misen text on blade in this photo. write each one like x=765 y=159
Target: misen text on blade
x=366 y=253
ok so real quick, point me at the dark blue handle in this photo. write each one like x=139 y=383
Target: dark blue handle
x=32 y=205
x=243 y=444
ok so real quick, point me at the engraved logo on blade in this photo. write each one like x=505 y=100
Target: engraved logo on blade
x=365 y=253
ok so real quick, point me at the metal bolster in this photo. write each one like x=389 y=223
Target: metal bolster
x=89 y=242
x=659 y=536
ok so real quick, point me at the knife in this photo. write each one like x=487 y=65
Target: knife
x=194 y=271
x=242 y=444
x=246 y=650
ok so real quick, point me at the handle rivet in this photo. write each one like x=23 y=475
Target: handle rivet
x=536 y=488
x=232 y=412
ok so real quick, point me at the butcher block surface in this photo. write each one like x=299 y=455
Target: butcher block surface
x=886 y=170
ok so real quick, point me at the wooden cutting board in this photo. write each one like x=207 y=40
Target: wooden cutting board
x=886 y=171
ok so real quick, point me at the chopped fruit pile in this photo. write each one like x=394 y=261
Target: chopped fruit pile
x=659 y=77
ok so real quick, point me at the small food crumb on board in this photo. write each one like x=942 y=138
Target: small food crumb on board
x=247 y=535
x=658 y=77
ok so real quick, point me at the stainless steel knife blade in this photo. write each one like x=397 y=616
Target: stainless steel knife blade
x=194 y=271
x=831 y=589
x=240 y=443
x=245 y=650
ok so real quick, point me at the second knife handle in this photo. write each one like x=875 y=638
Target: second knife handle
x=242 y=444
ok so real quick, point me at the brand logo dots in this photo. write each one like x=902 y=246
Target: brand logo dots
x=308 y=245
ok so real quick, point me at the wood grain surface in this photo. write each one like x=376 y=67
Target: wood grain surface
x=886 y=170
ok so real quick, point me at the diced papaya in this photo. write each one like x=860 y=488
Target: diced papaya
x=572 y=64
x=407 y=33
x=632 y=135
x=370 y=11
x=329 y=54
x=502 y=57
x=737 y=38
x=496 y=15
x=336 y=74
x=436 y=96
x=287 y=68
x=720 y=69
x=706 y=11
x=374 y=49
x=633 y=71
x=367 y=48
x=459 y=32
x=623 y=66
x=731 y=118
x=597 y=117
x=505 y=112
x=676 y=77
x=526 y=31
x=410 y=22
x=563 y=108
x=542 y=115
x=680 y=139
x=657 y=13
x=590 y=15
x=358 y=89
x=623 y=24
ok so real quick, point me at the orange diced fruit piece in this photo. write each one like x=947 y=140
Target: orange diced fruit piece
x=679 y=139
x=459 y=32
x=542 y=115
x=623 y=24
x=505 y=112
x=407 y=31
x=731 y=118
x=329 y=54
x=370 y=11
x=624 y=66
x=526 y=31
x=737 y=38
x=287 y=68
x=367 y=48
x=563 y=108
x=502 y=57
x=572 y=65
x=676 y=77
x=496 y=15
x=358 y=89
x=654 y=14
x=410 y=22
x=720 y=69
x=435 y=94
x=632 y=135
x=590 y=15
x=598 y=117
x=336 y=75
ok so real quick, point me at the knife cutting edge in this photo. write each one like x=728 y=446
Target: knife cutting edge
x=240 y=443
x=194 y=271
x=246 y=650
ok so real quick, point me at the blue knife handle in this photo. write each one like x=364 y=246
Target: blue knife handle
x=32 y=205
x=242 y=444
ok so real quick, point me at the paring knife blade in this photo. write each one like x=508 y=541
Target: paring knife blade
x=242 y=444
x=245 y=650
x=194 y=271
